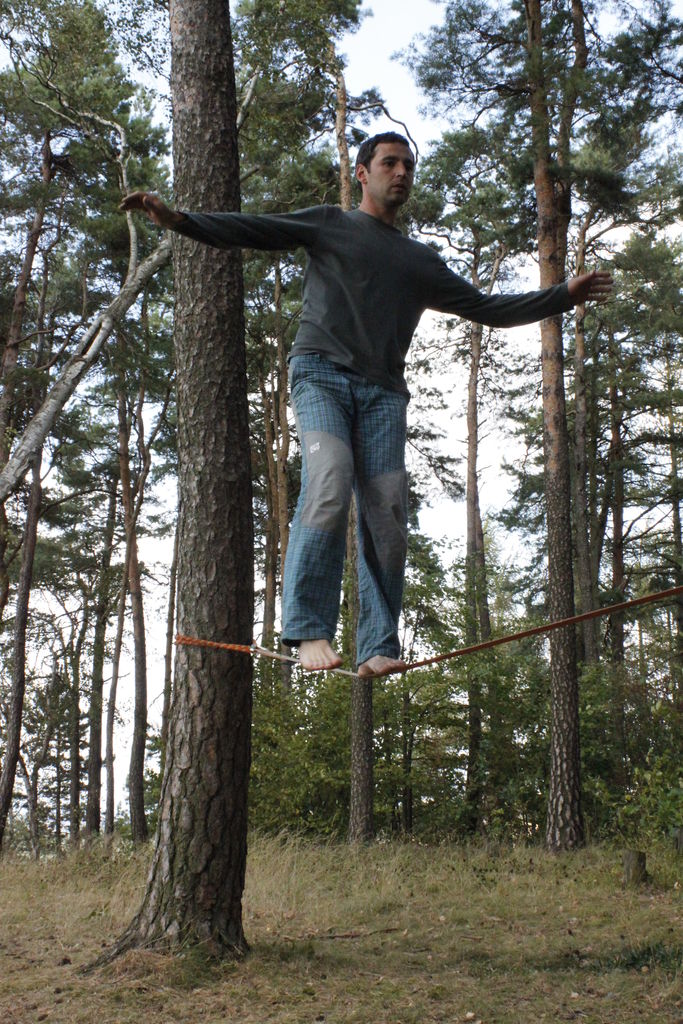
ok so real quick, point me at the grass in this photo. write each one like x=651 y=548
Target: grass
x=386 y=934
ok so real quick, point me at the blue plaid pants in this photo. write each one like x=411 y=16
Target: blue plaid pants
x=352 y=436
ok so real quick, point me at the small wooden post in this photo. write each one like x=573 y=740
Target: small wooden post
x=634 y=867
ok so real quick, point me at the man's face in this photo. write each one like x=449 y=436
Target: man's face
x=389 y=178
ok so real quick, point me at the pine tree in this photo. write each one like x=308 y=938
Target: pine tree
x=195 y=886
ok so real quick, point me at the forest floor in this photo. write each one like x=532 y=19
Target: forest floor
x=385 y=934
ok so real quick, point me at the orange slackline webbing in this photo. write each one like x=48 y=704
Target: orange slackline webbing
x=559 y=624
x=661 y=595
x=191 y=641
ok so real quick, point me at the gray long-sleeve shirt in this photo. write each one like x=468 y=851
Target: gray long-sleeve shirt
x=366 y=285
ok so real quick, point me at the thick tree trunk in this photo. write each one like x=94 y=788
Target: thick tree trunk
x=195 y=886
x=92 y=809
x=18 y=688
x=564 y=828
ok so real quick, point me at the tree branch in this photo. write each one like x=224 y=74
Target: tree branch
x=75 y=369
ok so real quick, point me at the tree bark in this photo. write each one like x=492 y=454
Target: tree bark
x=194 y=892
x=136 y=792
x=18 y=688
x=587 y=583
x=361 y=824
x=345 y=176
x=10 y=353
x=168 y=654
x=616 y=464
x=564 y=829
x=92 y=809
x=476 y=596
x=635 y=868
x=78 y=364
x=110 y=810
x=478 y=624
x=74 y=654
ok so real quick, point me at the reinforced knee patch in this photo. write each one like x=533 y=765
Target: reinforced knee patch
x=329 y=480
x=385 y=501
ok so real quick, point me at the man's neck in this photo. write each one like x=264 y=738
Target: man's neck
x=387 y=214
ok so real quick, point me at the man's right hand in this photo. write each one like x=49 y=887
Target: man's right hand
x=157 y=211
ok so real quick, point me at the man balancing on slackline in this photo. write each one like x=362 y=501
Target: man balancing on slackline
x=365 y=288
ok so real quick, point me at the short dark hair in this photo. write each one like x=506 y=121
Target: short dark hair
x=367 y=148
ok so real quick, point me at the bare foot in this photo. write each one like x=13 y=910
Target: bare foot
x=381 y=666
x=315 y=655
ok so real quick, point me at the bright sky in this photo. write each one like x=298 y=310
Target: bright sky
x=372 y=55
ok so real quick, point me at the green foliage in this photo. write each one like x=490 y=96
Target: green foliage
x=286 y=52
x=300 y=772
x=653 y=806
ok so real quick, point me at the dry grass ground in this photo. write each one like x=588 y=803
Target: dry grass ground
x=389 y=934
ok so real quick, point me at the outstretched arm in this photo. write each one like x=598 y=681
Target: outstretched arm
x=593 y=287
x=157 y=211
x=232 y=230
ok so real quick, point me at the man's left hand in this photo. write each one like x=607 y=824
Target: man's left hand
x=593 y=287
